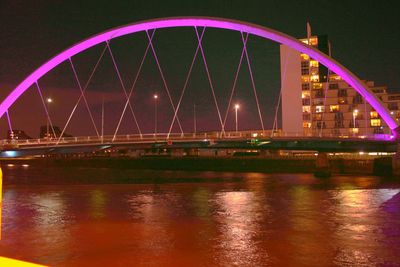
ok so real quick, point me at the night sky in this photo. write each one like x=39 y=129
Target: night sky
x=364 y=36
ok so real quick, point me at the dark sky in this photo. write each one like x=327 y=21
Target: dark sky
x=364 y=35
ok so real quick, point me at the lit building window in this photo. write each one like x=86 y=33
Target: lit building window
x=373 y=115
x=342 y=100
x=306 y=109
x=314 y=78
x=319 y=109
x=314 y=63
x=313 y=41
x=317 y=86
x=354 y=130
x=305 y=78
x=334 y=77
x=304 y=57
x=334 y=108
x=305 y=95
x=306 y=124
x=375 y=122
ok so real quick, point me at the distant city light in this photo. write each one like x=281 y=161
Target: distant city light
x=49 y=100
x=155 y=96
x=237 y=106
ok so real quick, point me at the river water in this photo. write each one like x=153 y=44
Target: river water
x=104 y=217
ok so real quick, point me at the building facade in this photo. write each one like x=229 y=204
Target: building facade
x=329 y=106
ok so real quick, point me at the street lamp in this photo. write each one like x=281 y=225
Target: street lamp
x=355 y=113
x=48 y=101
x=155 y=96
x=236 y=117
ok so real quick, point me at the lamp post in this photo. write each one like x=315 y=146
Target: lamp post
x=155 y=96
x=236 y=117
x=355 y=113
x=194 y=120
x=48 y=101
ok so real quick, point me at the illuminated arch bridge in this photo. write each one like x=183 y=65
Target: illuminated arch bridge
x=200 y=24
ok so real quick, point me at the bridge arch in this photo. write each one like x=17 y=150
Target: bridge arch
x=211 y=22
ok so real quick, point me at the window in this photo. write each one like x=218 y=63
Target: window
x=304 y=65
x=305 y=95
x=320 y=123
x=375 y=122
x=393 y=106
x=305 y=78
x=318 y=117
x=334 y=108
x=354 y=130
x=334 y=77
x=333 y=86
x=306 y=124
x=319 y=94
x=342 y=100
x=314 y=63
x=357 y=99
x=319 y=109
x=394 y=97
x=304 y=57
x=306 y=109
x=305 y=86
x=342 y=93
x=306 y=117
x=314 y=78
x=306 y=101
x=373 y=115
x=313 y=41
x=305 y=71
x=317 y=86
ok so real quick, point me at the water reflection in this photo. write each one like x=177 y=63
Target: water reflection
x=97 y=204
x=256 y=220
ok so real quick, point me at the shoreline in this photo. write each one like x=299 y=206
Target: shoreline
x=377 y=166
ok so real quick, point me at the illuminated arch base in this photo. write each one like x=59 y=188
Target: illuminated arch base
x=221 y=23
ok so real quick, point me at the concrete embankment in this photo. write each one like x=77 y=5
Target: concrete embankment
x=377 y=166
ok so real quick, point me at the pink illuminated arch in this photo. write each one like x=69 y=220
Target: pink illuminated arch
x=221 y=23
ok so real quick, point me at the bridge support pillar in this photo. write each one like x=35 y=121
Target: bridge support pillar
x=396 y=162
x=322 y=165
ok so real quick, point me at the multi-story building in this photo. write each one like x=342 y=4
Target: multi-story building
x=318 y=102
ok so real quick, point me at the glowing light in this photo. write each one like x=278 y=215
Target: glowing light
x=10 y=165
x=254 y=134
x=16 y=263
x=10 y=154
x=155 y=96
x=49 y=100
x=228 y=24
x=237 y=106
x=361 y=153
x=25 y=165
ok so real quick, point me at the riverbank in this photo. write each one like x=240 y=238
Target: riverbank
x=377 y=166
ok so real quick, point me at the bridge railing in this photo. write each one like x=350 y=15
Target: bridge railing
x=164 y=137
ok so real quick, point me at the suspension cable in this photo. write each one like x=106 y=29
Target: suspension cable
x=83 y=96
x=80 y=97
x=164 y=80
x=45 y=108
x=209 y=80
x=122 y=83
x=252 y=81
x=186 y=82
x=132 y=88
x=234 y=85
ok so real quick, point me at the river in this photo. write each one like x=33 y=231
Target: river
x=60 y=217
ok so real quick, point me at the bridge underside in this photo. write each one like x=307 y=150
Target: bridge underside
x=307 y=144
